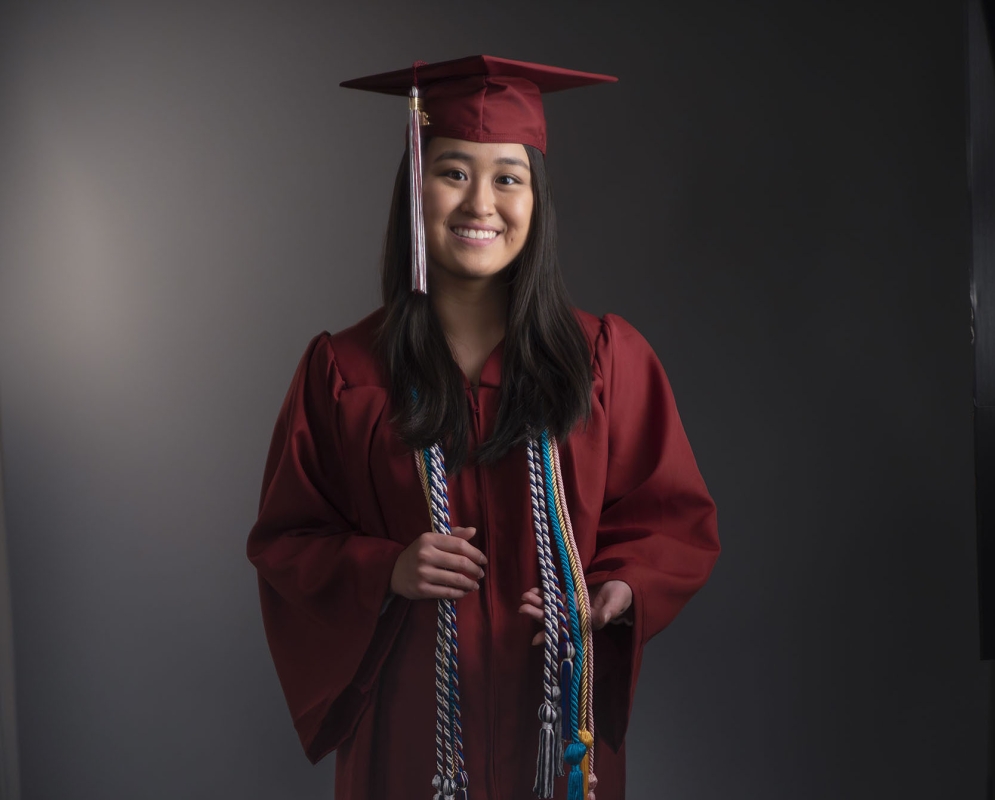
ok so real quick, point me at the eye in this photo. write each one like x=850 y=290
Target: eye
x=454 y=174
x=508 y=180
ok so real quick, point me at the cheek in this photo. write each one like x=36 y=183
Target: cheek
x=437 y=203
x=520 y=219
x=430 y=205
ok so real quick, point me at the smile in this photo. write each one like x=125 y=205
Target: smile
x=473 y=233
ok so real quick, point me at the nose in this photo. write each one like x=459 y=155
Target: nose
x=479 y=199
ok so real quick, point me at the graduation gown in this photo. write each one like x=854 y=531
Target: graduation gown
x=341 y=499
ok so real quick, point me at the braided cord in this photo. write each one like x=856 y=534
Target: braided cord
x=584 y=607
x=442 y=753
x=547 y=576
x=577 y=573
x=450 y=768
x=570 y=589
x=566 y=622
x=549 y=756
x=561 y=610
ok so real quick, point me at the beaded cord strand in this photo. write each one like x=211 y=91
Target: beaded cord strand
x=575 y=752
x=586 y=726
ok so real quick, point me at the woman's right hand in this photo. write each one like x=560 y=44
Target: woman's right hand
x=437 y=566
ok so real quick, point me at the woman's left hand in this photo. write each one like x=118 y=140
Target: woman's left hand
x=611 y=600
x=609 y=603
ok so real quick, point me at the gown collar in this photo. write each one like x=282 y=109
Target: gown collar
x=490 y=373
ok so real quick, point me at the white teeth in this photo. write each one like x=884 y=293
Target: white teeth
x=472 y=233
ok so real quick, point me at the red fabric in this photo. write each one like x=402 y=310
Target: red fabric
x=482 y=98
x=341 y=499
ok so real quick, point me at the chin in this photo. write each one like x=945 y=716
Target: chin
x=472 y=271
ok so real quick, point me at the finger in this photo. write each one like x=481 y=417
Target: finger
x=532 y=599
x=464 y=532
x=611 y=609
x=615 y=604
x=603 y=608
x=453 y=544
x=429 y=591
x=531 y=611
x=537 y=639
x=597 y=609
x=452 y=561
x=446 y=577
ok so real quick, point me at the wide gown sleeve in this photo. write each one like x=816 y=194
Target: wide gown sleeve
x=322 y=581
x=657 y=530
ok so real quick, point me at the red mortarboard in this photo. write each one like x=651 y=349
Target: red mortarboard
x=482 y=98
x=478 y=99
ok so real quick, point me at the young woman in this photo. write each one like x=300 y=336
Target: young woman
x=420 y=646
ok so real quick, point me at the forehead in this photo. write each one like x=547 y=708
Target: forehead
x=441 y=146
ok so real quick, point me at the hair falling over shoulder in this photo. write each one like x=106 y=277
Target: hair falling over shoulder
x=546 y=368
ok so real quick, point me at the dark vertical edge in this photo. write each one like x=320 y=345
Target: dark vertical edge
x=990 y=790
x=981 y=174
x=984 y=470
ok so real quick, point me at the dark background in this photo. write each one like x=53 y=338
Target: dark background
x=774 y=193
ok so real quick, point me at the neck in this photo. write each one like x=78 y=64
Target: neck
x=474 y=316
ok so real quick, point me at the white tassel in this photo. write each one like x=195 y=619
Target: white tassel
x=419 y=272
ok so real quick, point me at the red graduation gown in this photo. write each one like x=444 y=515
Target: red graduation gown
x=341 y=499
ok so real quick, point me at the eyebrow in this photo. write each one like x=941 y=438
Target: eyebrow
x=458 y=155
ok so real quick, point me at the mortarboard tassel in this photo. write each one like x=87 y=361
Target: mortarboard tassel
x=416 y=117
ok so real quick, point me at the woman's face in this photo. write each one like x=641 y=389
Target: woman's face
x=477 y=205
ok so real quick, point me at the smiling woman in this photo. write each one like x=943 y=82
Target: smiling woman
x=491 y=187
x=477 y=201
x=568 y=469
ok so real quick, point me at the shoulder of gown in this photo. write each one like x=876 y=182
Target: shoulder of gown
x=353 y=352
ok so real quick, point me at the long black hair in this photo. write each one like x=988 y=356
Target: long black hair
x=546 y=366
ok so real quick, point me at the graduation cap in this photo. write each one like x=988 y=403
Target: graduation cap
x=478 y=99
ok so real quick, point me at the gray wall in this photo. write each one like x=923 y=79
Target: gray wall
x=774 y=194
